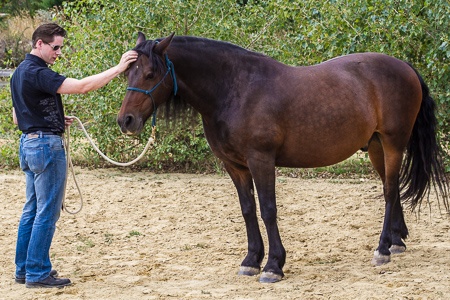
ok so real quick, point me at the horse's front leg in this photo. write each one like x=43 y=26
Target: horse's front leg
x=263 y=171
x=243 y=182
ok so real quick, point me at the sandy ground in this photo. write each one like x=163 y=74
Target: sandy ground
x=177 y=236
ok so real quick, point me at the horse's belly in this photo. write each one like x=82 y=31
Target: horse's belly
x=312 y=160
x=312 y=154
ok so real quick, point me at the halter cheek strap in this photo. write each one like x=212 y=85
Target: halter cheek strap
x=171 y=70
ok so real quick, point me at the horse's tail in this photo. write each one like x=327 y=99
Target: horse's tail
x=423 y=164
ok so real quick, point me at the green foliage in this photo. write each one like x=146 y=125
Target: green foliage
x=185 y=149
x=9 y=135
x=29 y=7
x=15 y=37
x=14 y=51
x=294 y=32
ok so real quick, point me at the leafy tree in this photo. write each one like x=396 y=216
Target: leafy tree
x=30 y=7
x=293 y=32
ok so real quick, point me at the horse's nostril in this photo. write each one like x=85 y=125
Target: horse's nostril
x=128 y=120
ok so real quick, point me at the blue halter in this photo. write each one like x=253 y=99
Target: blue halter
x=171 y=70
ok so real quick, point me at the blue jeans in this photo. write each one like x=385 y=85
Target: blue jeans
x=43 y=160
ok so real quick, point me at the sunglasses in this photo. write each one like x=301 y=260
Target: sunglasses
x=54 y=47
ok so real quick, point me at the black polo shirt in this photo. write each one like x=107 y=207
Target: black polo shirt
x=37 y=105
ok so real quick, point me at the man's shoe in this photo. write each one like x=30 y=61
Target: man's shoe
x=49 y=282
x=21 y=280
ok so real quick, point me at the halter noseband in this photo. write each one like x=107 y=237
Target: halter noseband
x=171 y=70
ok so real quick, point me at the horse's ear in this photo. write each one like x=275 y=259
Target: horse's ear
x=161 y=47
x=141 y=38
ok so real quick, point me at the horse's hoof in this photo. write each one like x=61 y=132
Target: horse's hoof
x=380 y=259
x=396 y=249
x=269 y=277
x=248 y=271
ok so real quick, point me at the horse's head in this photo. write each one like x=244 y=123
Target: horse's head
x=151 y=81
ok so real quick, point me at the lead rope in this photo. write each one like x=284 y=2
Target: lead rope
x=69 y=164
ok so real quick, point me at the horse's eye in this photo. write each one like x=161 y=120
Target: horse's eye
x=149 y=75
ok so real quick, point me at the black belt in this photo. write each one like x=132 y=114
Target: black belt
x=42 y=133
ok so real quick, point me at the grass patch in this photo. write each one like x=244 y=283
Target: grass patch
x=187 y=247
x=134 y=233
x=108 y=238
x=86 y=244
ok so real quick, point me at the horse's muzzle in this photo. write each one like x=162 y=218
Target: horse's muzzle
x=129 y=124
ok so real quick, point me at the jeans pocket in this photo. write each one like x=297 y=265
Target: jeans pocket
x=35 y=158
x=57 y=149
x=56 y=144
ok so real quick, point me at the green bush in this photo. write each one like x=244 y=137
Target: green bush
x=293 y=32
x=15 y=37
x=9 y=135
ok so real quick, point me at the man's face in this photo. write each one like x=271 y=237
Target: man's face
x=49 y=52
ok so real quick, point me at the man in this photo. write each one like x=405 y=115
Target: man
x=38 y=110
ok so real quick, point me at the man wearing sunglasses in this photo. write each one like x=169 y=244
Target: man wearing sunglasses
x=38 y=111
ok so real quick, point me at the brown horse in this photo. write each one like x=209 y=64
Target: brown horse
x=258 y=113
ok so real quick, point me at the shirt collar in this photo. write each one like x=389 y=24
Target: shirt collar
x=36 y=59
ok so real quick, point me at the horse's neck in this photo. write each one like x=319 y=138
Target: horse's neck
x=209 y=78
x=199 y=80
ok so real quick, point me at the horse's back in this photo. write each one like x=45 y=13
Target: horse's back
x=380 y=69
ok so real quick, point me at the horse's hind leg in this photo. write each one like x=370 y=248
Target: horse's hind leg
x=243 y=182
x=394 y=229
x=399 y=230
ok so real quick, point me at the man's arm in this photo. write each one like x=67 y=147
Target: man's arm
x=14 y=116
x=90 y=83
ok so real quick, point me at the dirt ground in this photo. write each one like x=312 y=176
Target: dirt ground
x=178 y=236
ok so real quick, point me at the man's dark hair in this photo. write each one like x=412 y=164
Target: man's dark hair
x=47 y=33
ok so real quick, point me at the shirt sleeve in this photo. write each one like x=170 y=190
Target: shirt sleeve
x=49 y=81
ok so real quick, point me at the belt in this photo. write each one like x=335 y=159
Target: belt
x=42 y=133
